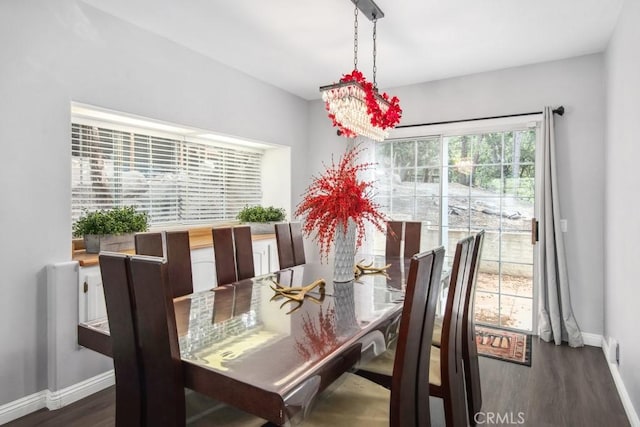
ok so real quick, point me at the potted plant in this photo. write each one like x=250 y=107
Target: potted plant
x=111 y=229
x=261 y=219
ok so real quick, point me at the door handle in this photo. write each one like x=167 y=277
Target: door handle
x=534 y=231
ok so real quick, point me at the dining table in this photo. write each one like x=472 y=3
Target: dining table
x=255 y=345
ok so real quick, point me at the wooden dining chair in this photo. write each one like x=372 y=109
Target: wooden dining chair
x=358 y=401
x=163 y=402
x=285 y=245
x=127 y=367
x=243 y=252
x=408 y=232
x=233 y=253
x=177 y=250
x=469 y=346
x=446 y=380
x=224 y=254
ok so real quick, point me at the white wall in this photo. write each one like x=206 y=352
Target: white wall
x=622 y=229
x=52 y=53
x=575 y=83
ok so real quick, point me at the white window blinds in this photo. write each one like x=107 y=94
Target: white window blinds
x=174 y=180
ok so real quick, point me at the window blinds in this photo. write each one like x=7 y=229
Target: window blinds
x=174 y=180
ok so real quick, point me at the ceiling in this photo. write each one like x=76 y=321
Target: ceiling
x=299 y=45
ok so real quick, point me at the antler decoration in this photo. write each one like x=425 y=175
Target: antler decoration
x=361 y=269
x=298 y=293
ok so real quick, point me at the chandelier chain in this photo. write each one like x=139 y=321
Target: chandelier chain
x=375 y=51
x=355 y=36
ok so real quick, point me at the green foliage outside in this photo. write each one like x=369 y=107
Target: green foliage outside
x=119 y=220
x=261 y=214
x=501 y=162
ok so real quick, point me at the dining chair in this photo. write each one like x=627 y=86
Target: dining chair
x=224 y=254
x=233 y=253
x=408 y=232
x=126 y=363
x=446 y=380
x=469 y=346
x=163 y=402
x=177 y=250
x=285 y=245
x=358 y=401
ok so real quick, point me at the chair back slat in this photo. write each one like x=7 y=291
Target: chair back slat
x=285 y=245
x=149 y=244
x=393 y=239
x=422 y=391
x=126 y=362
x=224 y=254
x=243 y=252
x=413 y=343
x=159 y=351
x=179 y=269
x=412 y=231
x=298 y=243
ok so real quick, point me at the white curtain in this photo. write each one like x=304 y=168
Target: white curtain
x=555 y=317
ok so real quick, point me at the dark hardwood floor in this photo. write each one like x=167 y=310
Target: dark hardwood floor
x=564 y=387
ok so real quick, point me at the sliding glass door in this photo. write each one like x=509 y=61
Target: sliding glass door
x=462 y=183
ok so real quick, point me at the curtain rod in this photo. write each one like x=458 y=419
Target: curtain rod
x=559 y=111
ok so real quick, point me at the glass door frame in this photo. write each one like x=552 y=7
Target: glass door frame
x=475 y=127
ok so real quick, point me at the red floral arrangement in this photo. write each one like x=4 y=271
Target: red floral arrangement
x=336 y=196
x=389 y=119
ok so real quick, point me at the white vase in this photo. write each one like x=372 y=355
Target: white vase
x=345 y=252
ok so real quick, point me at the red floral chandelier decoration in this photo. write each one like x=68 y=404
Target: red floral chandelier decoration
x=355 y=107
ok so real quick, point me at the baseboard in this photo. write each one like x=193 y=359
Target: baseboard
x=593 y=340
x=622 y=390
x=55 y=399
x=66 y=396
x=21 y=407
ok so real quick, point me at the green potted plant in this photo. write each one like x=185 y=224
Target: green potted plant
x=111 y=229
x=261 y=219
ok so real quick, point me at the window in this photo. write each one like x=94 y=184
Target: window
x=458 y=183
x=174 y=178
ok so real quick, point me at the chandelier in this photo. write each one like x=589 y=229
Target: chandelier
x=354 y=104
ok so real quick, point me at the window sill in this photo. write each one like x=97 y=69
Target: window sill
x=199 y=237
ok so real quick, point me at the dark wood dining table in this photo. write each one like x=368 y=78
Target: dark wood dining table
x=244 y=345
